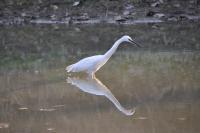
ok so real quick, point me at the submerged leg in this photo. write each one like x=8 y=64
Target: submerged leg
x=91 y=75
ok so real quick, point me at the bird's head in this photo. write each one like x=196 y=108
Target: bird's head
x=127 y=38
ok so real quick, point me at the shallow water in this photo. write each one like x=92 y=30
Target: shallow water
x=160 y=82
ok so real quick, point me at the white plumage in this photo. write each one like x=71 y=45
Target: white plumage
x=92 y=64
x=88 y=64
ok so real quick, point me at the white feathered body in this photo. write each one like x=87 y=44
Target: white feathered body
x=89 y=64
x=94 y=63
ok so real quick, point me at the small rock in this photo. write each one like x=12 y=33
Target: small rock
x=161 y=1
x=150 y=13
x=129 y=7
x=76 y=3
x=172 y=19
x=55 y=7
x=155 y=26
x=126 y=12
x=183 y=17
x=23 y=14
x=159 y=15
x=177 y=5
x=83 y=17
x=120 y=19
x=156 y=4
x=53 y=17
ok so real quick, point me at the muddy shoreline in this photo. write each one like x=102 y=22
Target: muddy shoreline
x=89 y=12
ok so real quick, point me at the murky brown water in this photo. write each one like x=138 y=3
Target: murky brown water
x=162 y=87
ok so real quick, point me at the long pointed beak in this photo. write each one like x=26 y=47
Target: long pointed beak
x=134 y=42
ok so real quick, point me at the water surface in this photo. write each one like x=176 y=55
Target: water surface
x=160 y=82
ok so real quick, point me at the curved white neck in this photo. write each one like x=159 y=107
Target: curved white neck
x=112 y=50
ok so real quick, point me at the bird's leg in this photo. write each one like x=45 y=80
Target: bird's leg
x=92 y=75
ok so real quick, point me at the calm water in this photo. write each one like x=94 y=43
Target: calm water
x=150 y=90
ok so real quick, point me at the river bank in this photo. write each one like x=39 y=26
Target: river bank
x=17 y=12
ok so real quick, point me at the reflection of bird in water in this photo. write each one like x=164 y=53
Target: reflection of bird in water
x=95 y=87
x=94 y=63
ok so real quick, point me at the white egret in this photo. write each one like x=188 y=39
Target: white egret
x=92 y=64
x=96 y=87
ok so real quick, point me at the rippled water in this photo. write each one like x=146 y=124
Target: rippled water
x=153 y=89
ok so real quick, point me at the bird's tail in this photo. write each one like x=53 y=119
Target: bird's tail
x=69 y=68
